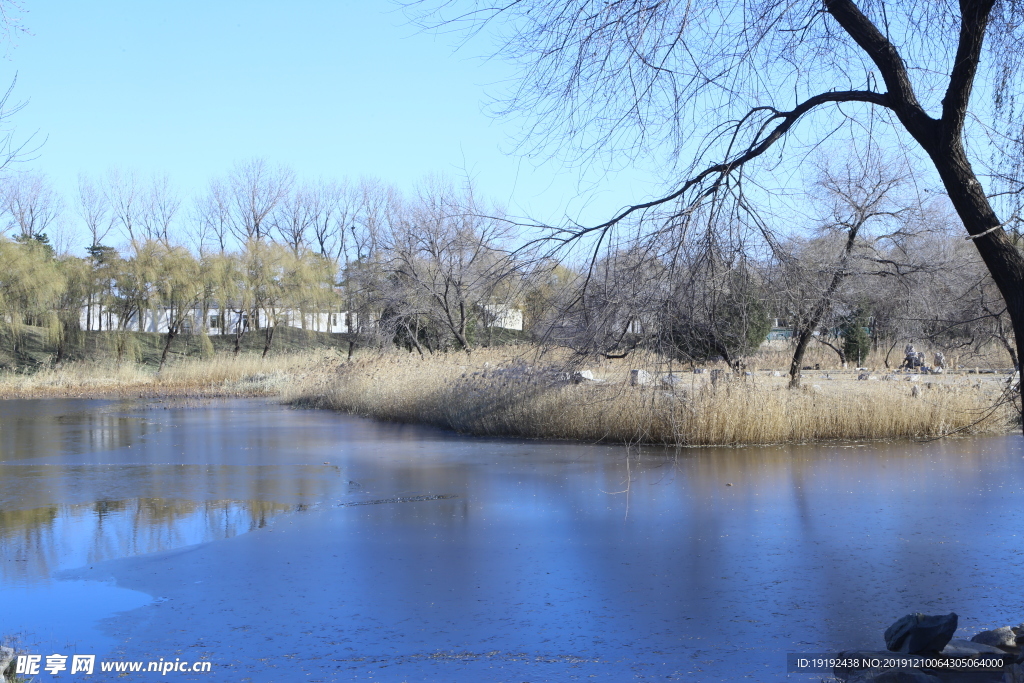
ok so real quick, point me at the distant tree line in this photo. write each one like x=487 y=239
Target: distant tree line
x=439 y=269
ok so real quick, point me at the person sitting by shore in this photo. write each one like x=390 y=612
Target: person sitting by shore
x=912 y=358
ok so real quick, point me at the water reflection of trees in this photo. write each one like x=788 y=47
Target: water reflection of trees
x=36 y=542
x=85 y=481
x=34 y=430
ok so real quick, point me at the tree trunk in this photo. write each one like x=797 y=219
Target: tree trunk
x=1012 y=351
x=1004 y=262
x=269 y=338
x=798 y=356
x=824 y=304
x=889 y=352
x=822 y=307
x=239 y=332
x=171 y=333
x=413 y=339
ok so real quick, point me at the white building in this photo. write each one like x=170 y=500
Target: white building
x=504 y=316
x=102 y=318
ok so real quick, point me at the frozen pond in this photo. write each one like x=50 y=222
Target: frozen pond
x=287 y=545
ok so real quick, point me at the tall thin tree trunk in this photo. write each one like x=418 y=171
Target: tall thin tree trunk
x=817 y=314
x=240 y=327
x=412 y=337
x=798 y=356
x=269 y=339
x=171 y=333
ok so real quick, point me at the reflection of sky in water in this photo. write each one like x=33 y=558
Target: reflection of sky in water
x=555 y=549
x=60 y=617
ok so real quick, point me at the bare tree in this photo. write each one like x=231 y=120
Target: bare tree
x=443 y=249
x=160 y=203
x=212 y=218
x=254 y=189
x=94 y=210
x=124 y=194
x=860 y=193
x=294 y=216
x=11 y=149
x=334 y=212
x=955 y=306
x=739 y=77
x=606 y=312
x=376 y=202
x=30 y=203
x=364 y=258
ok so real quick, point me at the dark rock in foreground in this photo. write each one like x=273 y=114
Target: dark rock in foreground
x=926 y=653
x=920 y=633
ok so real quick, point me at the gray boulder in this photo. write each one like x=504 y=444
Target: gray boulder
x=969 y=648
x=1001 y=637
x=919 y=633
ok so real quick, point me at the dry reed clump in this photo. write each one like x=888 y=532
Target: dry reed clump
x=227 y=375
x=488 y=395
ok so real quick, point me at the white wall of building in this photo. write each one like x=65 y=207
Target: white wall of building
x=506 y=317
x=97 y=317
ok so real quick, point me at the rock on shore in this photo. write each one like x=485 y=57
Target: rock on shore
x=928 y=641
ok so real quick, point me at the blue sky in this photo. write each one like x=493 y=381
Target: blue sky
x=334 y=89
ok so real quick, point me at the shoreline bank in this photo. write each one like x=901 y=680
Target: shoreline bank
x=245 y=375
x=507 y=396
x=502 y=393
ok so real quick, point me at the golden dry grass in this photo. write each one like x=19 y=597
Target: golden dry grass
x=225 y=375
x=512 y=392
x=519 y=391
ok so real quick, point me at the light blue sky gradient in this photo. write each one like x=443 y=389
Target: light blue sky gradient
x=333 y=89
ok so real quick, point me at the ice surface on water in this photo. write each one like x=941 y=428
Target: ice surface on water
x=486 y=559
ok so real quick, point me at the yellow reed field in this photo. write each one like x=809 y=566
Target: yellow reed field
x=514 y=392
x=527 y=391
x=224 y=375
